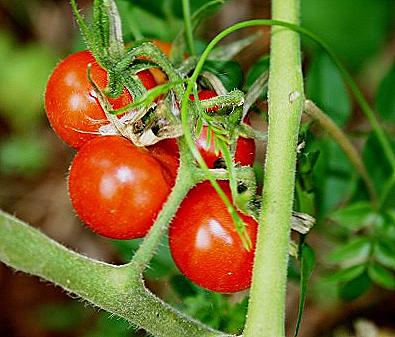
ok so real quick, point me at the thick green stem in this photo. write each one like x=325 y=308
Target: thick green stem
x=267 y=297
x=106 y=286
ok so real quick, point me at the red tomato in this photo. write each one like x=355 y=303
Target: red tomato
x=245 y=147
x=205 y=245
x=166 y=151
x=117 y=188
x=70 y=102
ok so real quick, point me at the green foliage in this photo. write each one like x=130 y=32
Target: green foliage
x=160 y=266
x=355 y=287
x=76 y=318
x=324 y=86
x=354 y=216
x=229 y=72
x=256 y=70
x=216 y=310
x=355 y=251
x=354 y=29
x=385 y=98
x=160 y=19
x=307 y=262
x=110 y=326
x=161 y=8
x=382 y=276
x=23 y=155
x=379 y=169
x=304 y=188
x=61 y=317
x=332 y=176
x=24 y=71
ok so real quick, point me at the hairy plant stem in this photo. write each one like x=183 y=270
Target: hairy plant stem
x=285 y=95
x=106 y=286
x=184 y=182
x=341 y=139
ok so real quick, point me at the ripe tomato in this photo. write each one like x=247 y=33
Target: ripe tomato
x=205 y=245
x=70 y=102
x=245 y=147
x=117 y=188
x=164 y=46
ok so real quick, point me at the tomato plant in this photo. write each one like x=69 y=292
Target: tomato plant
x=245 y=147
x=70 y=102
x=116 y=188
x=205 y=245
x=124 y=187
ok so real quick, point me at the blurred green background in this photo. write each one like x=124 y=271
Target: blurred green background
x=36 y=34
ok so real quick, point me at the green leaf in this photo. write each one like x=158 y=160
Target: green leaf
x=161 y=8
x=161 y=264
x=257 y=70
x=109 y=326
x=332 y=176
x=158 y=26
x=61 y=317
x=378 y=167
x=382 y=276
x=385 y=99
x=229 y=72
x=353 y=252
x=354 y=29
x=324 y=86
x=306 y=269
x=353 y=289
x=384 y=253
x=345 y=275
x=179 y=43
x=228 y=51
x=216 y=310
x=355 y=216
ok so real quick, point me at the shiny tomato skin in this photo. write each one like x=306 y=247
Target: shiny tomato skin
x=72 y=109
x=205 y=245
x=167 y=153
x=245 y=147
x=116 y=188
x=245 y=150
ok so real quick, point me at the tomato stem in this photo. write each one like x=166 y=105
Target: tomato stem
x=184 y=182
x=107 y=286
x=266 y=312
x=186 y=10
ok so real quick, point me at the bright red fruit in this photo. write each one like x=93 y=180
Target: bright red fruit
x=116 y=188
x=205 y=245
x=245 y=150
x=70 y=102
x=245 y=147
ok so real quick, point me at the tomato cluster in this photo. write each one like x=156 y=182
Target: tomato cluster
x=118 y=189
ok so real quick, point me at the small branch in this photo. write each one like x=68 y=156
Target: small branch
x=188 y=27
x=151 y=242
x=341 y=139
x=106 y=286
